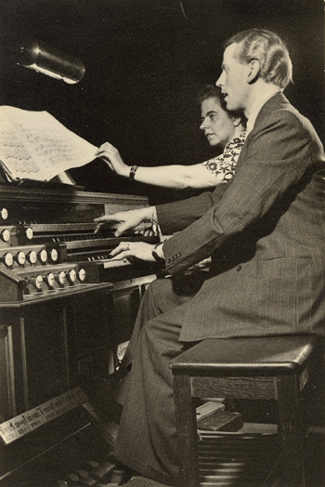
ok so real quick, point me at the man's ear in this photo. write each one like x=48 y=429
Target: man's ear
x=254 y=71
x=236 y=121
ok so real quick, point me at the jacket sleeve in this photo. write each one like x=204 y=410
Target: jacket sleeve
x=276 y=155
x=176 y=216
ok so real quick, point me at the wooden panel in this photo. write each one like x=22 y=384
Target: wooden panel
x=125 y=309
x=7 y=385
x=44 y=354
x=238 y=387
x=187 y=436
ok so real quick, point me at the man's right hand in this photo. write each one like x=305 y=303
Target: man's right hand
x=128 y=220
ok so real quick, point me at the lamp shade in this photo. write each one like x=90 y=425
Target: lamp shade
x=45 y=59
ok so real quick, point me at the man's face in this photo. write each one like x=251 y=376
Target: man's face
x=233 y=80
x=218 y=126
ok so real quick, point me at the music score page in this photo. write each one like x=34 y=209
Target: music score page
x=35 y=145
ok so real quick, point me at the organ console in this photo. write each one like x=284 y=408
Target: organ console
x=65 y=307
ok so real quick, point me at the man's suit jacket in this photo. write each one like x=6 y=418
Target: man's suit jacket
x=265 y=231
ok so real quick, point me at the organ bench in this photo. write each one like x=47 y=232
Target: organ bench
x=267 y=368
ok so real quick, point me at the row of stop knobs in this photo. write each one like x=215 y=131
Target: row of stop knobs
x=62 y=277
x=21 y=257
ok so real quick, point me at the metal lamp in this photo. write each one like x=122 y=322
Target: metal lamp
x=45 y=59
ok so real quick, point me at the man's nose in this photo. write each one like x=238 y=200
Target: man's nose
x=219 y=81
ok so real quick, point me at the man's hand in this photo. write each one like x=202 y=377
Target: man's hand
x=134 y=250
x=127 y=220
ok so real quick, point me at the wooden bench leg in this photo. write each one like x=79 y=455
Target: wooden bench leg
x=290 y=430
x=186 y=431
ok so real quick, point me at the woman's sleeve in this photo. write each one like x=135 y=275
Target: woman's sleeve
x=223 y=166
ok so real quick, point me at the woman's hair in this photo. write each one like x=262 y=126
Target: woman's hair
x=213 y=91
x=269 y=50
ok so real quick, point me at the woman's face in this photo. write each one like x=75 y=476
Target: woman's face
x=218 y=126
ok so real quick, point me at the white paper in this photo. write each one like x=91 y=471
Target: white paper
x=34 y=145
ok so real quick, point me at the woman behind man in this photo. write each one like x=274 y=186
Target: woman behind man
x=221 y=127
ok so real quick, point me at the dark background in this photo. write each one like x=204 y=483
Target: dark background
x=145 y=62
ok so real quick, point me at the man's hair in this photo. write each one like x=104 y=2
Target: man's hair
x=213 y=91
x=269 y=50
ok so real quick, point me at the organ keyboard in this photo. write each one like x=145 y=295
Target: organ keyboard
x=58 y=321
x=83 y=242
x=43 y=248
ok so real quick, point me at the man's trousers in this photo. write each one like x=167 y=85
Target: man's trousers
x=146 y=440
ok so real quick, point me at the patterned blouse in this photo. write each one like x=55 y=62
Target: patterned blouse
x=226 y=162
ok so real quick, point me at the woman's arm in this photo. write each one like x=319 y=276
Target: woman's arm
x=171 y=176
x=178 y=176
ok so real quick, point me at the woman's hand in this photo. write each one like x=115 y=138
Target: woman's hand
x=127 y=220
x=113 y=159
x=134 y=251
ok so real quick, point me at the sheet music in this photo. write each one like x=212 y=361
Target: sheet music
x=34 y=145
x=13 y=152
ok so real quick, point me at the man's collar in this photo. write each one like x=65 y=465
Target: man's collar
x=255 y=112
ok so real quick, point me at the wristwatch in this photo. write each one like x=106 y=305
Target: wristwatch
x=133 y=170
